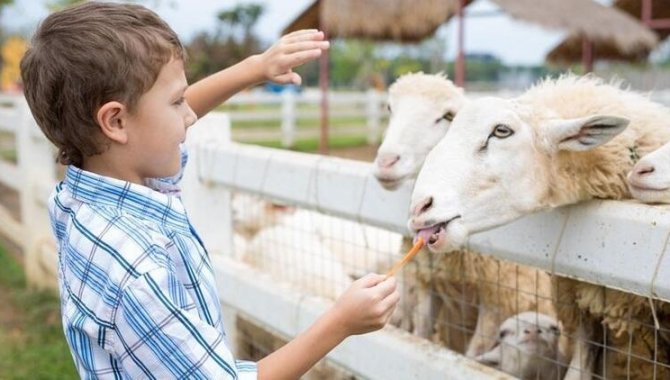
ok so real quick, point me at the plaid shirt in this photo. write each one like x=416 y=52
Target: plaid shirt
x=138 y=294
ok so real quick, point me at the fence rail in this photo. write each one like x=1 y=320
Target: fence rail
x=618 y=235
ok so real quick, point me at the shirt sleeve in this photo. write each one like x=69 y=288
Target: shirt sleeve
x=160 y=335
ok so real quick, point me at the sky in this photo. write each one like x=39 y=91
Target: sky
x=514 y=42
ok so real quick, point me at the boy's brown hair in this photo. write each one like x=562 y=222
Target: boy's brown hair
x=85 y=56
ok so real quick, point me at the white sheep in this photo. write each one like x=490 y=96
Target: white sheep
x=359 y=248
x=649 y=180
x=562 y=142
x=528 y=347
x=298 y=259
x=251 y=213
x=421 y=108
x=463 y=296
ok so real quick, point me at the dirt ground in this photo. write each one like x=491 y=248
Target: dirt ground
x=362 y=153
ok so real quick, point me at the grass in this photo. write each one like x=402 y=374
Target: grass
x=8 y=155
x=312 y=145
x=32 y=345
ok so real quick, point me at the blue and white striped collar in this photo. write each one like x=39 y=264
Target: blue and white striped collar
x=140 y=201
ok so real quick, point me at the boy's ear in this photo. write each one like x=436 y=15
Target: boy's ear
x=111 y=118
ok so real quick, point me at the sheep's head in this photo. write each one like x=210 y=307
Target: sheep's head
x=421 y=107
x=527 y=346
x=494 y=166
x=649 y=181
x=252 y=213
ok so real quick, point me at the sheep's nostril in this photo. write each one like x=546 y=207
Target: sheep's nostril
x=645 y=170
x=423 y=206
x=386 y=161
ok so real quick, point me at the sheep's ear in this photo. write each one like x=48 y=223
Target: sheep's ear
x=491 y=358
x=584 y=133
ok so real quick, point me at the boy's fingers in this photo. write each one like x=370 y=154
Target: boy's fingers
x=301 y=32
x=297 y=59
x=386 y=287
x=306 y=45
x=289 y=77
x=391 y=301
x=370 y=280
x=305 y=36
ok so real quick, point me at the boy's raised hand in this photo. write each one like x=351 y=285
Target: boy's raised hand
x=367 y=304
x=290 y=51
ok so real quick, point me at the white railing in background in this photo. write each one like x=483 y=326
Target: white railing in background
x=33 y=176
x=289 y=107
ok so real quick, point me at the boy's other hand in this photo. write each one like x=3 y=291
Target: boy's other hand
x=367 y=305
x=291 y=50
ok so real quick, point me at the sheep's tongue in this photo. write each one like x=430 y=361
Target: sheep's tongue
x=426 y=233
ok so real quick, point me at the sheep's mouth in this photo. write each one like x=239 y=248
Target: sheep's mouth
x=642 y=187
x=390 y=182
x=435 y=233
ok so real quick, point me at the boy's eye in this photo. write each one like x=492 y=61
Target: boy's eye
x=180 y=101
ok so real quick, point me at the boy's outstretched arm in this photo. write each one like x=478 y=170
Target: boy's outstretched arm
x=275 y=64
x=366 y=306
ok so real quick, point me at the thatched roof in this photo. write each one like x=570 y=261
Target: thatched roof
x=570 y=49
x=396 y=20
x=410 y=21
x=660 y=8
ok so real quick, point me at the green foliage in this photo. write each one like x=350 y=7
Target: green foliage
x=54 y=5
x=232 y=41
x=32 y=345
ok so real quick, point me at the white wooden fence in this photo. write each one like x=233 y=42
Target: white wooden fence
x=365 y=109
x=33 y=177
x=617 y=236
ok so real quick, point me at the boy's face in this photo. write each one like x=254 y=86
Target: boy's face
x=158 y=125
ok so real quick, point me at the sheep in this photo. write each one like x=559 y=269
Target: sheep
x=252 y=213
x=469 y=292
x=649 y=180
x=298 y=259
x=358 y=247
x=564 y=141
x=528 y=347
x=421 y=107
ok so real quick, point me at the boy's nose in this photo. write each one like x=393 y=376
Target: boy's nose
x=191 y=118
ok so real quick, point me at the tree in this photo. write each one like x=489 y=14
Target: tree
x=232 y=41
x=243 y=15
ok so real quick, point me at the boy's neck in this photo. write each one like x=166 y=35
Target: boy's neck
x=103 y=165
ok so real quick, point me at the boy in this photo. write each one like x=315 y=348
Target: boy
x=106 y=85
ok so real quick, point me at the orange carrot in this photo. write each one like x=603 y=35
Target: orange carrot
x=412 y=252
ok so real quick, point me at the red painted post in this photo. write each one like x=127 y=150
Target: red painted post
x=323 y=85
x=587 y=54
x=460 y=58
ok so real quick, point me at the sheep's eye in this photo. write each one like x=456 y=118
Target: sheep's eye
x=388 y=107
x=555 y=330
x=502 y=131
x=449 y=116
x=504 y=333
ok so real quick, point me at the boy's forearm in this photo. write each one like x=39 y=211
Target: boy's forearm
x=206 y=94
x=299 y=355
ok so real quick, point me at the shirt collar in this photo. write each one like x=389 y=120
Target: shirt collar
x=140 y=201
